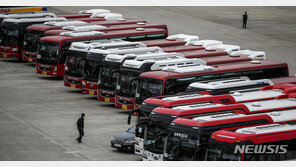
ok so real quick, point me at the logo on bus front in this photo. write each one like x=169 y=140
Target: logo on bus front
x=181 y=135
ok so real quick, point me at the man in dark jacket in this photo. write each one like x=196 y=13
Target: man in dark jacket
x=245 y=18
x=80 y=127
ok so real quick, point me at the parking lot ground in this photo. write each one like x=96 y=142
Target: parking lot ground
x=38 y=114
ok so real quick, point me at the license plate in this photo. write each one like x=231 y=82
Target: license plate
x=124 y=107
x=44 y=73
x=30 y=60
x=91 y=92
x=4 y=55
x=73 y=86
x=107 y=100
x=117 y=145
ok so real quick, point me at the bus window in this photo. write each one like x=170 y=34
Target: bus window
x=208 y=77
x=230 y=74
x=174 y=86
x=155 y=36
x=137 y=37
x=122 y=38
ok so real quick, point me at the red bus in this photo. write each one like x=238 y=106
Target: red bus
x=276 y=142
x=128 y=100
x=172 y=80
x=37 y=31
x=264 y=93
x=161 y=117
x=12 y=35
x=187 y=137
x=51 y=62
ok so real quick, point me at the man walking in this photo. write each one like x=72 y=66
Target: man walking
x=245 y=18
x=80 y=127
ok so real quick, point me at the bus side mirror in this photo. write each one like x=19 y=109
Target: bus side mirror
x=62 y=57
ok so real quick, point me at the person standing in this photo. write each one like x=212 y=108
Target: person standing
x=245 y=18
x=80 y=127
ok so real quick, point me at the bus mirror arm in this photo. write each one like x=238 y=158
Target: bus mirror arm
x=130 y=117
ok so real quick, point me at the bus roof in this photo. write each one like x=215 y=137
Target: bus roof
x=118 y=21
x=95 y=27
x=110 y=34
x=280 y=103
x=236 y=97
x=222 y=68
x=33 y=20
x=258 y=134
x=205 y=43
x=26 y=15
x=228 y=83
x=122 y=50
x=51 y=25
x=86 y=45
x=233 y=118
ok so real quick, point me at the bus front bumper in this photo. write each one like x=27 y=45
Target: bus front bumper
x=73 y=82
x=106 y=96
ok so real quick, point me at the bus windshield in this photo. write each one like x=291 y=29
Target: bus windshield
x=10 y=37
x=31 y=40
x=48 y=53
x=149 y=87
x=92 y=64
x=182 y=147
x=74 y=63
x=218 y=151
x=108 y=77
x=127 y=83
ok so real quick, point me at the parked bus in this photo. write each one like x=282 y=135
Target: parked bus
x=52 y=63
x=172 y=80
x=266 y=69
x=238 y=95
x=215 y=61
x=13 y=35
x=161 y=118
x=187 y=138
x=223 y=143
x=37 y=31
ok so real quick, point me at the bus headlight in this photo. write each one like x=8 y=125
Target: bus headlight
x=83 y=83
x=55 y=69
x=14 y=49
